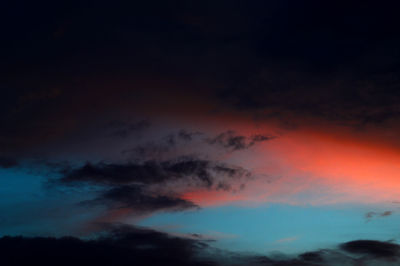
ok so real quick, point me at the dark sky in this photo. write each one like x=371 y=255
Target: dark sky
x=113 y=113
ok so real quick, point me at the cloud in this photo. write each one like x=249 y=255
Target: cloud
x=119 y=246
x=152 y=150
x=371 y=215
x=138 y=201
x=128 y=245
x=230 y=140
x=142 y=188
x=358 y=252
x=372 y=248
x=288 y=64
x=188 y=136
x=386 y=213
x=205 y=173
x=7 y=162
x=194 y=140
x=123 y=129
x=294 y=96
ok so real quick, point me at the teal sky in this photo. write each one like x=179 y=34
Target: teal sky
x=280 y=227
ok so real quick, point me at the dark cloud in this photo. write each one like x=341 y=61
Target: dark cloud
x=358 y=252
x=315 y=65
x=153 y=186
x=152 y=172
x=188 y=136
x=148 y=151
x=371 y=215
x=181 y=135
x=123 y=129
x=6 y=162
x=228 y=140
x=312 y=256
x=139 y=201
x=343 y=100
x=127 y=245
x=67 y=66
x=232 y=141
x=120 y=246
x=157 y=149
x=386 y=213
x=372 y=248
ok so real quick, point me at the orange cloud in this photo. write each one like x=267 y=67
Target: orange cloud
x=313 y=167
x=211 y=197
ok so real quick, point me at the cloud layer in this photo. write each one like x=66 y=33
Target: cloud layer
x=127 y=245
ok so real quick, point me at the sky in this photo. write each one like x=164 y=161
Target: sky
x=199 y=133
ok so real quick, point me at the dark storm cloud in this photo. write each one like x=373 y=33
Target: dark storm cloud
x=231 y=140
x=121 y=246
